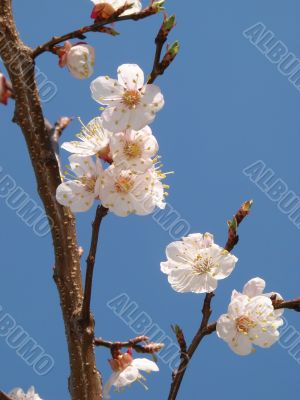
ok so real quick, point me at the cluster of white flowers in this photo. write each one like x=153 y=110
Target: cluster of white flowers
x=196 y=263
x=121 y=138
x=126 y=371
x=251 y=319
x=18 y=394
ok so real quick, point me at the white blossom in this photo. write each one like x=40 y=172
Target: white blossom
x=79 y=59
x=80 y=192
x=94 y=140
x=18 y=394
x=255 y=287
x=196 y=263
x=127 y=371
x=131 y=104
x=105 y=8
x=125 y=192
x=134 y=149
x=249 y=321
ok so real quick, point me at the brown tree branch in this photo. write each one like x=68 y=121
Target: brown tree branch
x=159 y=64
x=4 y=396
x=101 y=212
x=148 y=348
x=85 y=381
x=95 y=27
x=206 y=310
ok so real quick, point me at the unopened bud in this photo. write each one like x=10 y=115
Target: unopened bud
x=174 y=49
x=4 y=90
x=79 y=58
x=169 y=22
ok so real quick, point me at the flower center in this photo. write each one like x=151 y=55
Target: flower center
x=244 y=324
x=89 y=183
x=131 y=98
x=202 y=265
x=132 y=150
x=124 y=184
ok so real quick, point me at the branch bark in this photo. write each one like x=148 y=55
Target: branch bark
x=95 y=27
x=4 y=396
x=101 y=212
x=85 y=381
x=147 y=348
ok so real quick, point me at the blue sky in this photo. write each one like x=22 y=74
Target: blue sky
x=227 y=106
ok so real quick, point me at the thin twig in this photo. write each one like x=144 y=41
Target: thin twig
x=206 y=310
x=4 y=396
x=159 y=64
x=147 y=348
x=101 y=212
x=80 y=33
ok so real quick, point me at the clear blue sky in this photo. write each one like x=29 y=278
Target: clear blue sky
x=226 y=107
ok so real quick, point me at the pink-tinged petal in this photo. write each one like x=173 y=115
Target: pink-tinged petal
x=131 y=76
x=116 y=119
x=143 y=364
x=106 y=91
x=254 y=287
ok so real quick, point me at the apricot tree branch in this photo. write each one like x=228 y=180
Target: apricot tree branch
x=101 y=212
x=4 y=396
x=147 y=348
x=161 y=64
x=95 y=27
x=85 y=381
x=206 y=309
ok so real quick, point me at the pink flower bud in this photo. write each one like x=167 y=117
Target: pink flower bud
x=4 y=90
x=79 y=58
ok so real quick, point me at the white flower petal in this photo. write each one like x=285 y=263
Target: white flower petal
x=74 y=195
x=82 y=166
x=254 y=287
x=106 y=91
x=116 y=118
x=226 y=328
x=241 y=345
x=144 y=364
x=131 y=76
x=126 y=377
